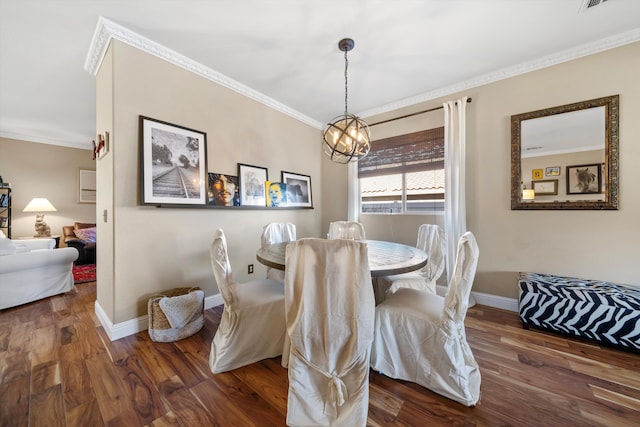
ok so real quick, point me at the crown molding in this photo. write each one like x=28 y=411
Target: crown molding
x=40 y=140
x=505 y=73
x=107 y=30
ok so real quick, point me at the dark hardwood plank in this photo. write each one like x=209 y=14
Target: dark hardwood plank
x=47 y=408
x=107 y=386
x=76 y=385
x=85 y=414
x=141 y=391
x=188 y=409
x=14 y=402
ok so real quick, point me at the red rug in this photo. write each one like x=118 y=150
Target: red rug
x=84 y=273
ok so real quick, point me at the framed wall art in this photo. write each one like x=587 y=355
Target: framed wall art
x=252 y=181
x=536 y=174
x=86 y=186
x=276 y=193
x=298 y=189
x=174 y=164
x=545 y=187
x=584 y=179
x=223 y=190
x=552 y=171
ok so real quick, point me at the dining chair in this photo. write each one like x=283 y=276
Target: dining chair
x=346 y=230
x=329 y=308
x=277 y=232
x=420 y=336
x=252 y=326
x=431 y=239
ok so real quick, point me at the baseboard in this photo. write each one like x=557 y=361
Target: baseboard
x=504 y=303
x=139 y=324
x=495 y=301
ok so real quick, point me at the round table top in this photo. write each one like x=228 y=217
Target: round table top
x=385 y=258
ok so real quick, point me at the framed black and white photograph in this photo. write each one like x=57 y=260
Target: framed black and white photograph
x=584 y=179
x=298 y=189
x=174 y=163
x=252 y=181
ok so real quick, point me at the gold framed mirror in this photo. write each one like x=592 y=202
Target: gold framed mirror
x=569 y=154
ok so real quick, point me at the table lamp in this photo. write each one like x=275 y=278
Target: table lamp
x=39 y=205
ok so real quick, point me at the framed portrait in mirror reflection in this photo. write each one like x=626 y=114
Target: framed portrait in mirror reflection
x=584 y=179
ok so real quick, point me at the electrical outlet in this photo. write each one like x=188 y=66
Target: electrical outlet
x=250 y=269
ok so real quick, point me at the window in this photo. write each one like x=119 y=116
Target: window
x=403 y=174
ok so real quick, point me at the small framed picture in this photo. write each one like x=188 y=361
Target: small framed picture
x=298 y=189
x=552 y=171
x=584 y=179
x=252 y=181
x=172 y=154
x=223 y=190
x=276 y=193
x=536 y=174
x=545 y=187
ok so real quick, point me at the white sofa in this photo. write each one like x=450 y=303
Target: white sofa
x=32 y=269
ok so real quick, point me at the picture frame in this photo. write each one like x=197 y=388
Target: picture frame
x=223 y=190
x=170 y=152
x=252 y=181
x=298 y=189
x=545 y=187
x=102 y=147
x=536 y=173
x=86 y=186
x=584 y=179
x=276 y=194
x=552 y=171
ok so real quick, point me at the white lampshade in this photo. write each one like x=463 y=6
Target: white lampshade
x=39 y=204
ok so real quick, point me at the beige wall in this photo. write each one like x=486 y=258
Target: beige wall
x=590 y=244
x=155 y=249
x=43 y=170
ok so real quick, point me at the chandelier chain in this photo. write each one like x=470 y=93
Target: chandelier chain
x=346 y=65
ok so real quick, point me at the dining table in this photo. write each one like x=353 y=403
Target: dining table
x=385 y=258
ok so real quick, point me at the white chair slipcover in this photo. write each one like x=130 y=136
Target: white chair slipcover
x=431 y=240
x=277 y=232
x=346 y=230
x=330 y=317
x=420 y=336
x=252 y=327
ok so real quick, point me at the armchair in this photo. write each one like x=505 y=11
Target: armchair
x=86 y=250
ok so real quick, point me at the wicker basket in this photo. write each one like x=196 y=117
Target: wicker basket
x=160 y=329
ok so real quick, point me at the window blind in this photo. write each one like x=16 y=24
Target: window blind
x=413 y=152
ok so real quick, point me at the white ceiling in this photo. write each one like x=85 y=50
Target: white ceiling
x=406 y=51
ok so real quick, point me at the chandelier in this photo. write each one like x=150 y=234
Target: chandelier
x=346 y=137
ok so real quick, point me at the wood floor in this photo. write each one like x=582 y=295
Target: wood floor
x=58 y=368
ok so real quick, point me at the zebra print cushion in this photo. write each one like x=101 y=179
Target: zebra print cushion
x=603 y=311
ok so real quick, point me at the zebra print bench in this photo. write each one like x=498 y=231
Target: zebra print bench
x=603 y=311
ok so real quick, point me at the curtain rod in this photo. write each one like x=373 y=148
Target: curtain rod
x=414 y=114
